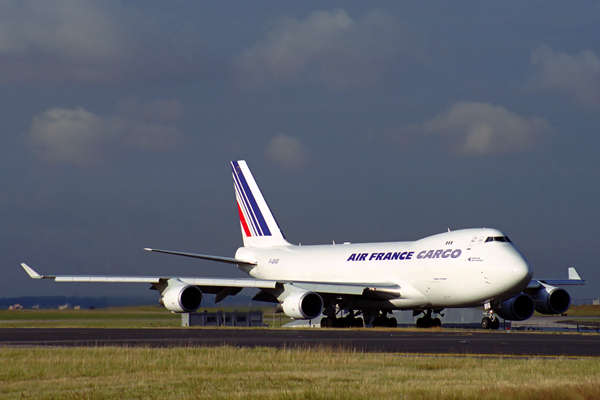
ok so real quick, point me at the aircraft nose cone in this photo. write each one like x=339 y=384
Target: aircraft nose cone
x=522 y=271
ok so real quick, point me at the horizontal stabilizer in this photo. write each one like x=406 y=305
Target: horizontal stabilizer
x=574 y=279
x=228 y=260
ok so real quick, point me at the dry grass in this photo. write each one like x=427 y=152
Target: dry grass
x=101 y=318
x=115 y=317
x=265 y=373
x=584 y=311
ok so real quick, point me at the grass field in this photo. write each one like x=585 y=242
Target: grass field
x=264 y=373
x=584 y=311
x=115 y=317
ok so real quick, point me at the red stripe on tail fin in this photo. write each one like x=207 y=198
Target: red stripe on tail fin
x=243 y=222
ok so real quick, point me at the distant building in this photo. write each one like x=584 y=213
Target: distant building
x=220 y=318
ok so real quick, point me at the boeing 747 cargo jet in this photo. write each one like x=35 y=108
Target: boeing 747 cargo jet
x=357 y=284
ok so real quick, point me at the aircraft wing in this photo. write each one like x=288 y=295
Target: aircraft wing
x=231 y=286
x=574 y=279
x=377 y=291
x=201 y=282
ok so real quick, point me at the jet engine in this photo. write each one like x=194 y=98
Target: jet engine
x=518 y=308
x=302 y=305
x=551 y=300
x=181 y=298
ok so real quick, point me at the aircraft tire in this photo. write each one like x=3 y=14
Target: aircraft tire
x=326 y=322
x=425 y=322
x=392 y=322
x=486 y=322
x=495 y=324
x=436 y=323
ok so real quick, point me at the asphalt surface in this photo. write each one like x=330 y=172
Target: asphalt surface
x=367 y=340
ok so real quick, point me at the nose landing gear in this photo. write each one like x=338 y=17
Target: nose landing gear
x=490 y=321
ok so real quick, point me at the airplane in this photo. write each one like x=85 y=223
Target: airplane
x=353 y=285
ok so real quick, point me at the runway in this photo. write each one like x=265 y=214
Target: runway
x=366 y=340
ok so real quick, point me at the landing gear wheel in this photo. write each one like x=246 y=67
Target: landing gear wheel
x=326 y=322
x=486 y=322
x=392 y=322
x=495 y=324
x=426 y=321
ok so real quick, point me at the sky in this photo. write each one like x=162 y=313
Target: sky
x=361 y=122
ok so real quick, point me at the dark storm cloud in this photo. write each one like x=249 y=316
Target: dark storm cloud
x=482 y=129
x=330 y=48
x=577 y=75
x=80 y=137
x=287 y=151
x=90 y=42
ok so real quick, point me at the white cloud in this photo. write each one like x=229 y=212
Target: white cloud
x=287 y=151
x=480 y=129
x=578 y=75
x=79 y=137
x=87 y=42
x=329 y=47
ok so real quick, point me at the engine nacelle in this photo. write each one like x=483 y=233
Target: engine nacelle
x=302 y=305
x=519 y=308
x=181 y=298
x=551 y=300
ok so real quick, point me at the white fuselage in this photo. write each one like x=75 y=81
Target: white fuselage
x=451 y=269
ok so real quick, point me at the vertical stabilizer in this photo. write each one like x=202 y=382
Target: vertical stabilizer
x=259 y=228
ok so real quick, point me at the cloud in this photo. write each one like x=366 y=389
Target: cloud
x=479 y=129
x=578 y=75
x=287 y=151
x=92 y=42
x=79 y=137
x=328 y=47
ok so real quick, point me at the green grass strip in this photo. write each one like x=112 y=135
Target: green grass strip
x=266 y=373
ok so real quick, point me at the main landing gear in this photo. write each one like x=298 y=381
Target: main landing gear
x=345 y=322
x=377 y=319
x=349 y=321
x=427 y=322
x=382 y=321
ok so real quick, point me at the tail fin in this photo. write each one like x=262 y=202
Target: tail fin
x=259 y=228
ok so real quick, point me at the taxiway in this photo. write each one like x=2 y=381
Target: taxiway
x=367 y=340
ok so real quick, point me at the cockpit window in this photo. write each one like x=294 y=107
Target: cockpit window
x=503 y=239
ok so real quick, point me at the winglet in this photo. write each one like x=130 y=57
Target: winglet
x=573 y=275
x=31 y=271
